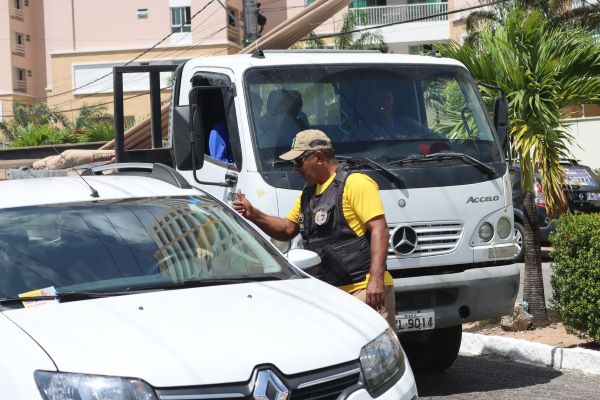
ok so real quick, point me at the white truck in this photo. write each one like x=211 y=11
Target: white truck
x=417 y=125
x=128 y=283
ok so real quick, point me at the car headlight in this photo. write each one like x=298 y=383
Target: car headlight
x=504 y=227
x=381 y=360
x=282 y=246
x=486 y=232
x=61 y=386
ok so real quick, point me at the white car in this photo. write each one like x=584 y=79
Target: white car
x=134 y=285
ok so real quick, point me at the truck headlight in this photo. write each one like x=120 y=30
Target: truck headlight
x=61 y=386
x=381 y=360
x=486 y=231
x=504 y=227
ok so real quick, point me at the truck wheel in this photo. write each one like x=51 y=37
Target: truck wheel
x=519 y=236
x=432 y=351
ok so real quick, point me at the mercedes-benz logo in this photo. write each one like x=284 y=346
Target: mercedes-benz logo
x=404 y=240
x=268 y=386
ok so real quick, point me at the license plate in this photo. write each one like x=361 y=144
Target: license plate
x=415 y=320
x=592 y=196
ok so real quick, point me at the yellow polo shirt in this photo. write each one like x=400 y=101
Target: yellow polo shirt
x=360 y=204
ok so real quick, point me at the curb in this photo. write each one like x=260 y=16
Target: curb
x=558 y=358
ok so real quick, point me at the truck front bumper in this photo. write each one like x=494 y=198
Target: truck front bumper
x=472 y=295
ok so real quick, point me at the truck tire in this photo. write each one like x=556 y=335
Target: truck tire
x=519 y=236
x=432 y=351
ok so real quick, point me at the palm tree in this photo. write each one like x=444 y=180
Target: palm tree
x=344 y=40
x=542 y=68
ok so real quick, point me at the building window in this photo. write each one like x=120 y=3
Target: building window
x=181 y=20
x=18 y=4
x=21 y=74
x=231 y=17
x=19 y=39
x=142 y=13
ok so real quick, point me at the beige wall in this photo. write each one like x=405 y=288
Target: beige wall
x=62 y=67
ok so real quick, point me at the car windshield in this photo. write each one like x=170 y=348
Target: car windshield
x=382 y=112
x=124 y=245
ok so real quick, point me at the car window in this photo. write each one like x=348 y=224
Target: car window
x=125 y=244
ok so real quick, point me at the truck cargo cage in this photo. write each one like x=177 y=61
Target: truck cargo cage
x=157 y=153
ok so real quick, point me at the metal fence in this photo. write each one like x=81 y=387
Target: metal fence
x=370 y=16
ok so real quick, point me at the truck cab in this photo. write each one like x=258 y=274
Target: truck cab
x=416 y=125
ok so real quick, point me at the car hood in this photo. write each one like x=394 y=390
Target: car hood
x=204 y=335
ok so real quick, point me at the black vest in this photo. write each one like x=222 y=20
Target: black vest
x=345 y=257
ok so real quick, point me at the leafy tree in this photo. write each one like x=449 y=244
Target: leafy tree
x=542 y=69
x=90 y=116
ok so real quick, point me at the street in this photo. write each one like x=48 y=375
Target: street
x=494 y=378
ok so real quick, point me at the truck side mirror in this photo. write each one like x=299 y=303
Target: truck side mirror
x=180 y=136
x=501 y=122
x=196 y=137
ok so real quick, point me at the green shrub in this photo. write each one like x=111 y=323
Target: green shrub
x=97 y=133
x=576 y=273
x=37 y=135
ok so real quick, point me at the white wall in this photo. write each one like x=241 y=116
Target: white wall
x=586 y=132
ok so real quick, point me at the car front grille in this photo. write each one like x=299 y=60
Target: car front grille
x=424 y=239
x=325 y=384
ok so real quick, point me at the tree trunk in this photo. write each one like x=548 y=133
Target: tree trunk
x=533 y=288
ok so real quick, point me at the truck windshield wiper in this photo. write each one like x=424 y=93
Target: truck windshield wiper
x=192 y=283
x=386 y=173
x=467 y=159
x=61 y=296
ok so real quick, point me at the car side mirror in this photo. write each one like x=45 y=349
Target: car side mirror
x=501 y=122
x=303 y=259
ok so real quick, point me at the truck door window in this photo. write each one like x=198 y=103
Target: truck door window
x=219 y=119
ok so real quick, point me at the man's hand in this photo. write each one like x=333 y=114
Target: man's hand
x=243 y=206
x=375 y=289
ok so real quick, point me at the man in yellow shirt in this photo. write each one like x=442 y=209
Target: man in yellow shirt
x=340 y=216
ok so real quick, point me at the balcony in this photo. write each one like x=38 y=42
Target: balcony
x=16 y=14
x=234 y=34
x=18 y=50
x=370 y=16
x=408 y=23
x=20 y=86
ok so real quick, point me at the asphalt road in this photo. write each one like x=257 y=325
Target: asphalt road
x=494 y=378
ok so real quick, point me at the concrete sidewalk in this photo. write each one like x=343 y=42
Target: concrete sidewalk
x=559 y=358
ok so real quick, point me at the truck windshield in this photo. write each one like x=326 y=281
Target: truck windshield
x=129 y=245
x=381 y=112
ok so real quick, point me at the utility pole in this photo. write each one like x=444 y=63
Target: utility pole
x=250 y=22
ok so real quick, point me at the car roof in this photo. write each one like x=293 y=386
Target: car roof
x=75 y=189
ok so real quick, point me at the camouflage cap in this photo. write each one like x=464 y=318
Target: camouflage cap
x=308 y=140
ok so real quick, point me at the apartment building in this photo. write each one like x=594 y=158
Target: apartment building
x=62 y=51
x=22 y=50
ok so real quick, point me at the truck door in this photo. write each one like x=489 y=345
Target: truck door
x=222 y=143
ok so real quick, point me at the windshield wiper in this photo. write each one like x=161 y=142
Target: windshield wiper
x=191 y=283
x=61 y=296
x=467 y=159
x=386 y=173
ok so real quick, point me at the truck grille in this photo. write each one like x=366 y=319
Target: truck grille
x=424 y=239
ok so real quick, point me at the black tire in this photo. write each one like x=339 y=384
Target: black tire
x=519 y=235
x=432 y=351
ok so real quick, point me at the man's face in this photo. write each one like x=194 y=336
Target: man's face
x=308 y=165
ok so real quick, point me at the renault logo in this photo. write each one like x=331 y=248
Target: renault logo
x=404 y=240
x=269 y=387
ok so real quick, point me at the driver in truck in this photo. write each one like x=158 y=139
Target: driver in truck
x=339 y=215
